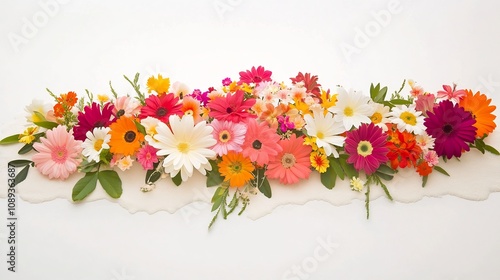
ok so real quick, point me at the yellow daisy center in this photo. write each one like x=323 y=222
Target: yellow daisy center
x=98 y=144
x=189 y=112
x=320 y=135
x=365 y=148
x=348 y=112
x=224 y=136
x=408 y=118
x=183 y=147
x=376 y=118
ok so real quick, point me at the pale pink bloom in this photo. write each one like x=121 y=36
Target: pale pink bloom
x=298 y=93
x=425 y=103
x=126 y=106
x=58 y=153
x=230 y=136
x=417 y=91
x=451 y=93
x=431 y=158
x=124 y=163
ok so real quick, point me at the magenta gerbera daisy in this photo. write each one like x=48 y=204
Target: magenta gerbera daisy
x=255 y=75
x=231 y=108
x=161 y=107
x=58 y=153
x=366 y=147
x=230 y=136
x=91 y=117
x=452 y=127
x=261 y=142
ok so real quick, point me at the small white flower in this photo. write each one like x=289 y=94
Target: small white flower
x=425 y=142
x=351 y=108
x=150 y=124
x=97 y=141
x=179 y=89
x=326 y=131
x=408 y=118
x=357 y=184
x=125 y=163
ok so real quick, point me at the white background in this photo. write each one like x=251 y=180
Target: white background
x=74 y=45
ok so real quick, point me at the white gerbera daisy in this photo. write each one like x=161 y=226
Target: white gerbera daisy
x=380 y=116
x=97 y=140
x=408 y=118
x=352 y=109
x=326 y=131
x=185 y=145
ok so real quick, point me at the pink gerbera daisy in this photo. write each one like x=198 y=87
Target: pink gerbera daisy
x=366 y=147
x=58 y=153
x=161 y=107
x=126 y=106
x=261 y=142
x=146 y=156
x=232 y=107
x=230 y=136
x=292 y=163
x=91 y=117
x=255 y=75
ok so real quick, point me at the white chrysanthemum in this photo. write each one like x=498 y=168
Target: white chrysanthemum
x=97 y=140
x=408 y=118
x=125 y=163
x=37 y=106
x=326 y=131
x=186 y=146
x=180 y=89
x=351 y=108
x=425 y=141
x=380 y=116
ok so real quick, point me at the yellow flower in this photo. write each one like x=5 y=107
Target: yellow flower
x=102 y=98
x=160 y=84
x=311 y=141
x=27 y=136
x=301 y=106
x=328 y=100
x=319 y=161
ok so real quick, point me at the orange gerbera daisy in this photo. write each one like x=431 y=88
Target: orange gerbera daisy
x=236 y=169
x=479 y=106
x=125 y=138
x=191 y=106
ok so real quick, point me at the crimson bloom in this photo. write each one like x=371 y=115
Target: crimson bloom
x=452 y=127
x=255 y=75
x=161 y=107
x=366 y=147
x=231 y=108
x=92 y=117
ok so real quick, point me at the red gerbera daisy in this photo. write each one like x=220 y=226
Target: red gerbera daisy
x=231 y=108
x=255 y=75
x=261 y=142
x=92 y=117
x=161 y=107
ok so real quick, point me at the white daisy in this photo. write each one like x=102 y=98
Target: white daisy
x=408 y=118
x=380 y=116
x=97 y=140
x=186 y=146
x=37 y=106
x=425 y=142
x=326 y=131
x=150 y=124
x=352 y=109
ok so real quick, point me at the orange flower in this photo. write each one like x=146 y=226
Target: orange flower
x=236 y=169
x=403 y=149
x=69 y=99
x=479 y=106
x=191 y=106
x=125 y=138
x=424 y=169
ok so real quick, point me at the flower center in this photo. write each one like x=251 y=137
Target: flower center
x=320 y=135
x=120 y=113
x=257 y=144
x=348 y=112
x=257 y=79
x=183 y=147
x=447 y=128
x=161 y=112
x=365 y=148
x=376 y=118
x=288 y=160
x=129 y=136
x=188 y=112
x=408 y=118
x=229 y=110
x=224 y=136
x=98 y=144
x=59 y=155
x=235 y=167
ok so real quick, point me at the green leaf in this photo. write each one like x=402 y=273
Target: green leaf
x=367 y=202
x=10 y=140
x=25 y=149
x=265 y=188
x=384 y=176
x=213 y=177
x=87 y=167
x=424 y=181
x=348 y=168
x=218 y=197
x=386 y=169
x=152 y=175
x=328 y=178
x=111 y=183
x=491 y=150
x=441 y=170
x=140 y=127
x=21 y=176
x=400 y=102
x=20 y=162
x=84 y=186
x=46 y=124
x=337 y=169
x=177 y=179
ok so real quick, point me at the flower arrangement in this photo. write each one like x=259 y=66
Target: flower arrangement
x=246 y=133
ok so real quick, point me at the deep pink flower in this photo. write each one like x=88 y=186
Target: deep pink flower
x=261 y=142
x=285 y=124
x=232 y=107
x=451 y=93
x=59 y=154
x=226 y=81
x=92 y=117
x=452 y=127
x=366 y=147
x=255 y=75
x=161 y=107
x=147 y=157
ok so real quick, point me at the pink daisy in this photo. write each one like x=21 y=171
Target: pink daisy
x=230 y=136
x=261 y=142
x=146 y=156
x=58 y=153
x=292 y=163
x=161 y=107
x=366 y=147
x=255 y=75
x=126 y=106
x=232 y=107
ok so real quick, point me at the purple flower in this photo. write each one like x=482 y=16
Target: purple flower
x=285 y=124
